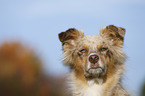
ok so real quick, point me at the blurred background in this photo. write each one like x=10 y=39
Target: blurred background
x=30 y=51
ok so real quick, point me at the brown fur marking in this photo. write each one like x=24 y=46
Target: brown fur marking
x=69 y=34
x=114 y=33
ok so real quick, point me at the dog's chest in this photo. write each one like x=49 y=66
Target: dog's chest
x=92 y=89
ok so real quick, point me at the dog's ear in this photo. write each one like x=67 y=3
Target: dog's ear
x=69 y=40
x=70 y=36
x=113 y=33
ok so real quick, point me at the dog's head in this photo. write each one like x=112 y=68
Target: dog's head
x=93 y=56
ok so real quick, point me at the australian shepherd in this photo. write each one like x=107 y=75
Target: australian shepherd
x=96 y=62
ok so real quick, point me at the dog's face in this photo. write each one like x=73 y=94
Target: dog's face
x=93 y=56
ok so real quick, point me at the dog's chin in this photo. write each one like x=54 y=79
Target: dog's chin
x=94 y=73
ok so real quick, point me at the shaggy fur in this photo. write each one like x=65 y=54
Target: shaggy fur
x=96 y=62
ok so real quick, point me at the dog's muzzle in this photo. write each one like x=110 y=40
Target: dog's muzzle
x=94 y=71
x=93 y=59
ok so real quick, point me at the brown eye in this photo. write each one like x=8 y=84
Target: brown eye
x=104 y=49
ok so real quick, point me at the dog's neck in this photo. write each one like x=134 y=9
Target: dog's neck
x=98 y=81
x=93 y=87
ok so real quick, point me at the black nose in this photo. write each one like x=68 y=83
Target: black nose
x=94 y=58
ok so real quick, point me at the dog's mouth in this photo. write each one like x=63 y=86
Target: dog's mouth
x=94 y=71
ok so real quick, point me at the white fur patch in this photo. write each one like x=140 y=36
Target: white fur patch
x=93 y=89
x=80 y=89
x=100 y=81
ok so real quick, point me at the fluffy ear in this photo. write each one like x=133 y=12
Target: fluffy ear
x=69 y=36
x=69 y=40
x=113 y=33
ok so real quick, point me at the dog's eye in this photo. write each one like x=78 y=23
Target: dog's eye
x=104 y=49
x=83 y=51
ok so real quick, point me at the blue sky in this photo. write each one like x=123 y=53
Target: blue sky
x=37 y=23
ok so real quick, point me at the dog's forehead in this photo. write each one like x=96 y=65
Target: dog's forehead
x=91 y=42
x=94 y=39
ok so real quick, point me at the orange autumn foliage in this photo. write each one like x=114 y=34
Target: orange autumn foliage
x=21 y=72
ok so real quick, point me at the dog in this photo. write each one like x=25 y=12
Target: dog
x=96 y=62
